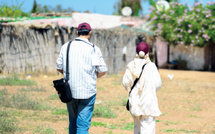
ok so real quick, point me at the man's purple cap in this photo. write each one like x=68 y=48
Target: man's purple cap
x=142 y=46
x=84 y=26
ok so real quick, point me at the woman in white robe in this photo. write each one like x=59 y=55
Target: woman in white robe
x=143 y=102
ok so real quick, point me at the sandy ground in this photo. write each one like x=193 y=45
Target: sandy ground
x=186 y=101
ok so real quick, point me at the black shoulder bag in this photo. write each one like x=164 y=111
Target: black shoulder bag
x=135 y=82
x=62 y=85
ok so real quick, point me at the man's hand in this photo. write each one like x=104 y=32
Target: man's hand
x=61 y=71
x=99 y=75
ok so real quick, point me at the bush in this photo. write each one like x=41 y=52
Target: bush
x=185 y=26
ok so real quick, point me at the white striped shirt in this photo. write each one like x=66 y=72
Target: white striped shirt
x=82 y=74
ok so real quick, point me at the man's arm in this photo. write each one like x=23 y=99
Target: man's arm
x=61 y=71
x=99 y=75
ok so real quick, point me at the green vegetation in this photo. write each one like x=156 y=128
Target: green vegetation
x=14 y=80
x=129 y=126
x=21 y=101
x=33 y=89
x=43 y=129
x=60 y=111
x=100 y=88
x=179 y=130
x=185 y=25
x=195 y=116
x=54 y=97
x=14 y=11
x=7 y=125
x=103 y=111
x=197 y=107
x=134 y=4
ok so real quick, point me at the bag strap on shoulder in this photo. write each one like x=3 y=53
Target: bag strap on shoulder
x=136 y=80
x=67 y=62
x=86 y=42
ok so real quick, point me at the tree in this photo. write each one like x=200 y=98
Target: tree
x=59 y=8
x=135 y=5
x=185 y=26
x=34 y=9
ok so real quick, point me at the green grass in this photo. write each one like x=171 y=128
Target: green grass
x=100 y=88
x=194 y=116
x=103 y=111
x=100 y=124
x=43 y=129
x=54 y=97
x=33 y=89
x=197 y=107
x=3 y=92
x=14 y=80
x=172 y=122
x=117 y=83
x=179 y=130
x=128 y=126
x=7 y=125
x=60 y=111
x=21 y=101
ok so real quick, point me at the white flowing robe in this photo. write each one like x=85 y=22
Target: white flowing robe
x=143 y=99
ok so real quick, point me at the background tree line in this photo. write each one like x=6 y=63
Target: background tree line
x=15 y=10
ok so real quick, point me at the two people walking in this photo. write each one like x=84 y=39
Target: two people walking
x=87 y=64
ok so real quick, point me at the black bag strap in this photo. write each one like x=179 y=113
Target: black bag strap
x=67 y=62
x=136 y=80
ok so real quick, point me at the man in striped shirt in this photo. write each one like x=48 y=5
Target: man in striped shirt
x=86 y=64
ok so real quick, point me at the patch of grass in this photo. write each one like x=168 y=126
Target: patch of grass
x=114 y=75
x=54 y=97
x=7 y=125
x=106 y=125
x=124 y=101
x=172 y=122
x=128 y=126
x=103 y=111
x=197 y=107
x=100 y=124
x=3 y=92
x=21 y=101
x=108 y=132
x=190 y=91
x=33 y=89
x=117 y=83
x=195 y=116
x=179 y=130
x=43 y=129
x=14 y=81
x=100 y=88
x=60 y=111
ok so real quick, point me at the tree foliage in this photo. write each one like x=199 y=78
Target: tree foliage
x=38 y=8
x=34 y=9
x=135 y=5
x=185 y=25
x=13 y=11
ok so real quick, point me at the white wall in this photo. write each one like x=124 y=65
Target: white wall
x=193 y=55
